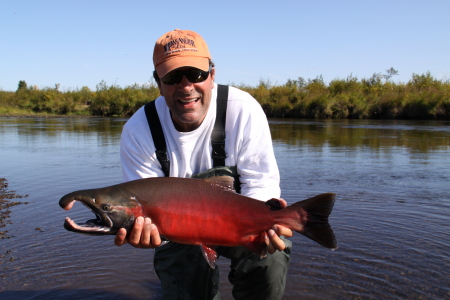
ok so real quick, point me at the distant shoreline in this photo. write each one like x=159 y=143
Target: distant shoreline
x=422 y=98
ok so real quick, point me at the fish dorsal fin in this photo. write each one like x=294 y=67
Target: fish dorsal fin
x=210 y=254
x=224 y=182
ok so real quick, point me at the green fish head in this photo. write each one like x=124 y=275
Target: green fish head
x=113 y=207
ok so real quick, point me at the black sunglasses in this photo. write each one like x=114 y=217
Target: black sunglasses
x=193 y=75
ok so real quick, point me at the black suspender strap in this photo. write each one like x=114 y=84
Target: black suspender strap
x=218 y=134
x=158 y=136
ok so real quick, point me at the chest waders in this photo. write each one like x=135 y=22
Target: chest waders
x=182 y=269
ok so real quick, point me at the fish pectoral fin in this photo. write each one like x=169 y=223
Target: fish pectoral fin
x=224 y=182
x=210 y=254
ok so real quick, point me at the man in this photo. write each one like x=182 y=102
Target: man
x=187 y=111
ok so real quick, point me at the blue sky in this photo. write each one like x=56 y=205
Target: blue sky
x=80 y=43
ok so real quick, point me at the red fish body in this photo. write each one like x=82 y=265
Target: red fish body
x=200 y=212
x=214 y=216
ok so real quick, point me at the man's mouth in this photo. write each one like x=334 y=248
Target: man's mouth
x=188 y=100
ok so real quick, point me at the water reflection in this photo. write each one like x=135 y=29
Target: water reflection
x=414 y=136
x=105 y=130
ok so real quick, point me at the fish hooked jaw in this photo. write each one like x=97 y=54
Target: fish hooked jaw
x=101 y=225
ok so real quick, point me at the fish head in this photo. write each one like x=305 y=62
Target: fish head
x=113 y=207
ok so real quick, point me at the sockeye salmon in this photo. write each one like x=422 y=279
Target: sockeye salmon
x=205 y=212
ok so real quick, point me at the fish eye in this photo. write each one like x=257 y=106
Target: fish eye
x=106 y=207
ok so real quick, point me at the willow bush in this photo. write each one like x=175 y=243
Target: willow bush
x=116 y=101
x=105 y=101
x=423 y=97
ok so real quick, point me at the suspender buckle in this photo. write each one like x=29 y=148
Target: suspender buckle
x=218 y=149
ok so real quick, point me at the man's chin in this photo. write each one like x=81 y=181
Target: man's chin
x=187 y=121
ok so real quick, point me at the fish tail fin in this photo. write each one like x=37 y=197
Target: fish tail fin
x=313 y=219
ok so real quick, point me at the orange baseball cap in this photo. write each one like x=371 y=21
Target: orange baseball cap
x=180 y=48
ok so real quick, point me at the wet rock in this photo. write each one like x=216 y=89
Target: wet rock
x=5 y=204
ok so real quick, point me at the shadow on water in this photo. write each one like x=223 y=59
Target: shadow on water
x=71 y=294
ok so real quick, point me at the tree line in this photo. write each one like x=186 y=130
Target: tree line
x=377 y=97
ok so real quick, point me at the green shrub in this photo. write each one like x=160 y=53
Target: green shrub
x=422 y=97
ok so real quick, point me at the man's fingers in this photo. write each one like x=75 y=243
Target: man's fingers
x=281 y=230
x=275 y=242
x=156 y=238
x=150 y=235
x=135 y=234
x=145 y=235
x=121 y=237
x=270 y=248
x=283 y=202
x=277 y=202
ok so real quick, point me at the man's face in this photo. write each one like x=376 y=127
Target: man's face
x=188 y=102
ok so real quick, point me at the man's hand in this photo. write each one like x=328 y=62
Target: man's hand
x=274 y=242
x=143 y=235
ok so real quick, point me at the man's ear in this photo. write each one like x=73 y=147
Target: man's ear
x=212 y=74
x=158 y=82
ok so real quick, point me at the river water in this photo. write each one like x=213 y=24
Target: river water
x=392 y=180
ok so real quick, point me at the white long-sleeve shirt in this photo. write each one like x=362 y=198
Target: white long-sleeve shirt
x=248 y=145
